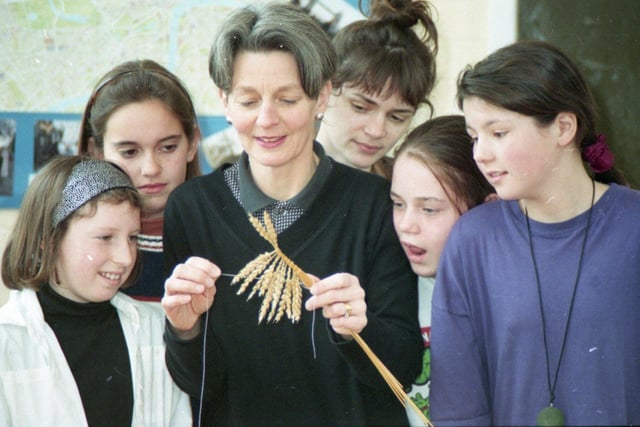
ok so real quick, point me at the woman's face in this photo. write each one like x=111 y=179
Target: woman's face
x=98 y=252
x=423 y=214
x=359 y=128
x=147 y=140
x=269 y=109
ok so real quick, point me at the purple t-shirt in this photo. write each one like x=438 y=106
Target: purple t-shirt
x=488 y=355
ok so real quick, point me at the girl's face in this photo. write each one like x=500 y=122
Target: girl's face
x=423 y=214
x=517 y=155
x=147 y=140
x=97 y=253
x=270 y=111
x=360 y=128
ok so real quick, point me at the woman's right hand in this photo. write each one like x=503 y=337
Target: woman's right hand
x=189 y=292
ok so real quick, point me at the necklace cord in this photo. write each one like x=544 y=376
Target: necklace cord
x=552 y=386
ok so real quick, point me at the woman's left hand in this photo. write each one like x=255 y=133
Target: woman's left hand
x=342 y=301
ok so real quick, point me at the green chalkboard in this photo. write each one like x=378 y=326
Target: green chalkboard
x=603 y=37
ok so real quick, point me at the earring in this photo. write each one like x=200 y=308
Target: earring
x=229 y=121
x=319 y=116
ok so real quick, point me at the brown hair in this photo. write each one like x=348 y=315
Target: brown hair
x=444 y=147
x=384 y=52
x=137 y=81
x=536 y=79
x=29 y=258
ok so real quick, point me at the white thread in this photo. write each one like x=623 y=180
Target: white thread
x=313 y=337
x=313 y=327
x=204 y=351
x=204 y=364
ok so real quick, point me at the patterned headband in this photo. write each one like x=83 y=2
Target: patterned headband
x=88 y=179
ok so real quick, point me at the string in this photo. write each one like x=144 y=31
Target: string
x=258 y=265
x=313 y=322
x=204 y=364
x=391 y=380
x=313 y=328
x=269 y=263
x=552 y=386
x=204 y=351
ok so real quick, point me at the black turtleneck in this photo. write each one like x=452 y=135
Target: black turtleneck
x=93 y=343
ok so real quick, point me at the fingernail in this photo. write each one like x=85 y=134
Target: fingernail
x=310 y=304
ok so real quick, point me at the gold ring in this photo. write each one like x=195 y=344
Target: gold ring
x=347 y=309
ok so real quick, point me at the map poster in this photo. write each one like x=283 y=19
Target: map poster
x=54 y=52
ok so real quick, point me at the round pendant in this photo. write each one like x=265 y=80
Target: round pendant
x=550 y=416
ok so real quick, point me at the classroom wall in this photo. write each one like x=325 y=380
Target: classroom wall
x=607 y=51
x=468 y=30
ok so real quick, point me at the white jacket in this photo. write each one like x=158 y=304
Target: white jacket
x=37 y=387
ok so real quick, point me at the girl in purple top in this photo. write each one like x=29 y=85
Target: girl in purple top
x=537 y=300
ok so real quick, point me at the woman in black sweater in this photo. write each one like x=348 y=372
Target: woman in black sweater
x=273 y=67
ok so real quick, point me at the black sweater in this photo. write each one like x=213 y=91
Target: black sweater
x=266 y=374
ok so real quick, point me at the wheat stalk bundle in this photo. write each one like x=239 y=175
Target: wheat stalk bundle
x=278 y=283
